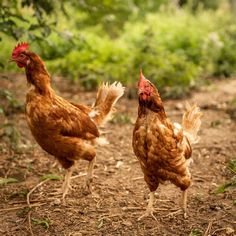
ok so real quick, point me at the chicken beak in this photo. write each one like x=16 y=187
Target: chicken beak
x=140 y=91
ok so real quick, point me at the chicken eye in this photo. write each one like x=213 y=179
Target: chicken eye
x=22 y=56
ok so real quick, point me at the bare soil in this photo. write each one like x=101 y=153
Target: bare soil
x=119 y=192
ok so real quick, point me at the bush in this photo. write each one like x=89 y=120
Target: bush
x=174 y=47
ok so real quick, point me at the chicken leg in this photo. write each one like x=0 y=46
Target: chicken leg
x=66 y=184
x=150 y=209
x=183 y=203
x=89 y=177
x=183 y=206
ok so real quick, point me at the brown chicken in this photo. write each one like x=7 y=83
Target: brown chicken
x=66 y=130
x=162 y=148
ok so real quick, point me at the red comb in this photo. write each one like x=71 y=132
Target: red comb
x=19 y=48
x=142 y=78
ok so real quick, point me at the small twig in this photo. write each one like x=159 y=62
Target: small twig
x=23 y=201
x=104 y=216
x=208 y=230
x=79 y=175
x=32 y=190
x=138 y=178
x=19 y=207
x=217 y=230
x=142 y=208
x=164 y=200
x=132 y=208
x=231 y=222
x=28 y=202
x=29 y=222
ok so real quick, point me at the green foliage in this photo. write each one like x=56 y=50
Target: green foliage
x=10 y=132
x=111 y=15
x=4 y=181
x=22 y=213
x=43 y=222
x=174 y=49
x=9 y=103
x=51 y=177
x=232 y=166
x=22 y=17
x=215 y=123
x=195 y=232
x=111 y=40
x=230 y=183
x=21 y=193
x=231 y=109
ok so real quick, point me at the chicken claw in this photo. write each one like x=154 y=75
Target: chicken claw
x=66 y=184
x=149 y=212
x=88 y=182
x=150 y=209
x=89 y=177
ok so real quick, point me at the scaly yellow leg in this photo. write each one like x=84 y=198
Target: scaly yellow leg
x=66 y=184
x=150 y=209
x=89 y=177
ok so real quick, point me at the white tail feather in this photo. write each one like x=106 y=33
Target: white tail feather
x=191 y=122
x=107 y=97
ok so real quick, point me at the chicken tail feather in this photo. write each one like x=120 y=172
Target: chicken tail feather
x=107 y=96
x=191 y=122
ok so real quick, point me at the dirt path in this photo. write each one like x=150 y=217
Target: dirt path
x=120 y=194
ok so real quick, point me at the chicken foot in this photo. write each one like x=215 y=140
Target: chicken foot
x=150 y=209
x=89 y=176
x=66 y=184
x=183 y=203
x=183 y=206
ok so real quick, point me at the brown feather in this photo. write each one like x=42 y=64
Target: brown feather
x=61 y=128
x=161 y=150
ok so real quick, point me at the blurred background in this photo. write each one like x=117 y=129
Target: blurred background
x=178 y=43
x=186 y=47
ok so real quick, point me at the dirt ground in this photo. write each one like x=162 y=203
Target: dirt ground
x=119 y=192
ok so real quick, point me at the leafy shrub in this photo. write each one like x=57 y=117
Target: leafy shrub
x=175 y=48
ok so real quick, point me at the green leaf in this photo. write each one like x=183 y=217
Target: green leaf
x=215 y=123
x=44 y=222
x=220 y=189
x=231 y=183
x=51 y=177
x=23 y=212
x=195 y=232
x=21 y=193
x=4 y=181
x=1 y=111
x=232 y=165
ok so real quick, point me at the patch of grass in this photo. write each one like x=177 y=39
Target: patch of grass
x=9 y=131
x=1 y=111
x=22 y=194
x=215 y=123
x=232 y=165
x=4 y=181
x=51 y=177
x=43 y=222
x=231 y=109
x=23 y=212
x=231 y=183
x=11 y=103
x=195 y=232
